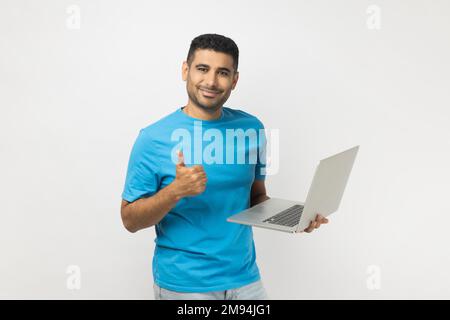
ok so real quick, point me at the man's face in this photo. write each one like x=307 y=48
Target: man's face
x=209 y=79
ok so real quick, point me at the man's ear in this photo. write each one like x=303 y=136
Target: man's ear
x=184 y=70
x=235 y=80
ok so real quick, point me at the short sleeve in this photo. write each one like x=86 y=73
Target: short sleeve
x=142 y=179
x=260 y=168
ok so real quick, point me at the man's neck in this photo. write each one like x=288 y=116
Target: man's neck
x=201 y=114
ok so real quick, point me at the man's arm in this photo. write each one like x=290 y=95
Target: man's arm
x=258 y=193
x=146 y=212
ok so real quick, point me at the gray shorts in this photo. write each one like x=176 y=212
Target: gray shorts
x=252 y=291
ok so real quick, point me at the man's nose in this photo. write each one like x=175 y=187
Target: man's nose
x=211 y=80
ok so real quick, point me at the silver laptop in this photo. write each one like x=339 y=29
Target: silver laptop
x=324 y=197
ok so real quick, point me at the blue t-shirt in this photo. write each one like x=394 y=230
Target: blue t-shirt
x=197 y=250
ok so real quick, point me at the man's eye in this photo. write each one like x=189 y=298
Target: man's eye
x=202 y=69
x=224 y=73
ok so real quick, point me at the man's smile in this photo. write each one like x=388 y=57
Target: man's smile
x=209 y=93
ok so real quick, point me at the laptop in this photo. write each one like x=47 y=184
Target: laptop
x=324 y=197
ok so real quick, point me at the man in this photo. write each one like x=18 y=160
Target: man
x=198 y=254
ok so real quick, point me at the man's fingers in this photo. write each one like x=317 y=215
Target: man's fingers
x=321 y=219
x=201 y=184
x=199 y=176
x=311 y=227
x=316 y=223
x=197 y=168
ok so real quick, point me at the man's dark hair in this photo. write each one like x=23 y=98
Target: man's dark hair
x=217 y=43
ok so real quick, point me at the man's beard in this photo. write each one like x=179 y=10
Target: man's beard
x=210 y=109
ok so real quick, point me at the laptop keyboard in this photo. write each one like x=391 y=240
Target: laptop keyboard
x=289 y=217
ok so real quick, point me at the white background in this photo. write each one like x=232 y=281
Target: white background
x=73 y=100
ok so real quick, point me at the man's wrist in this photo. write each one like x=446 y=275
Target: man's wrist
x=174 y=191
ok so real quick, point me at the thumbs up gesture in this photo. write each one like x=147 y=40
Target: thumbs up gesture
x=189 y=181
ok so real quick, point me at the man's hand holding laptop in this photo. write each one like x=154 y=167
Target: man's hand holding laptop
x=316 y=224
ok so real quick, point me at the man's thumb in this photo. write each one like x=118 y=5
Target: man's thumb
x=180 y=159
